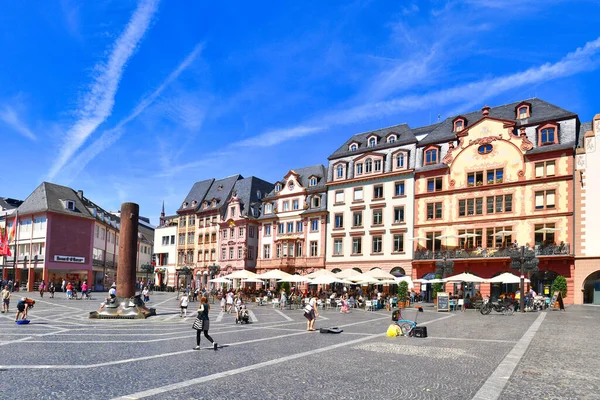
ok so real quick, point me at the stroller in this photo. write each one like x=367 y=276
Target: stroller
x=242 y=315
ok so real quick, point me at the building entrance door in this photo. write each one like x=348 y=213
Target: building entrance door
x=591 y=289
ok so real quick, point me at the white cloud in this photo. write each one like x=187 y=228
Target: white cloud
x=110 y=136
x=98 y=102
x=271 y=138
x=9 y=116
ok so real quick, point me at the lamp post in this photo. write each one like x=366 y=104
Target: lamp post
x=524 y=260
x=445 y=266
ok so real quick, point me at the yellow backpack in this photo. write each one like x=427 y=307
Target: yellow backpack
x=394 y=330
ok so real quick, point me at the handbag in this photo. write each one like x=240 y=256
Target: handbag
x=197 y=324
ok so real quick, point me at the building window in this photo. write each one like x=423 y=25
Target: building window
x=240 y=252
x=485 y=149
x=495 y=176
x=165 y=240
x=231 y=253
x=378 y=192
x=495 y=240
x=523 y=112
x=278 y=250
x=357 y=245
x=223 y=253
x=398 y=243
x=258 y=194
x=316 y=201
x=434 y=184
x=286 y=206
x=399 y=215
x=299 y=226
x=339 y=221
x=338 y=247
x=359 y=169
x=181 y=239
x=313 y=181
x=290 y=227
x=498 y=204
x=392 y=139
x=459 y=125
x=278 y=187
x=377 y=165
x=267 y=230
x=232 y=232
x=547 y=136
x=400 y=160
x=353 y=147
x=241 y=232
x=299 y=249
x=368 y=165
x=399 y=188
x=378 y=216
x=280 y=228
x=340 y=171
x=314 y=249
x=372 y=142
x=431 y=156
x=224 y=233
x=475 y=178
x=231 y=211
x=295 y=205
x=268 y=208
x=314 y=225
x=190 y=238
x=470 y=207
x=543 y=169
x=357 y=219
x=70 y=205
x=358 y=194
x=339 y=196
x=434 y=210
x=544 y=234
x=545 y=199
x=376 y=244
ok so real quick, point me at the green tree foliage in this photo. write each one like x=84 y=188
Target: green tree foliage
x=560 y=285
x=437 y=287
x=402 y=291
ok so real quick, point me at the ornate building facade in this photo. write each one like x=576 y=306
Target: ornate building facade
x=293 y=223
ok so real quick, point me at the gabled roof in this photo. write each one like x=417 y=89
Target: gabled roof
x=541 y=111
x=585 y=127
x=198 y=193
x=6 y=203
x=318 y=171
x=220 y=190
x=246 y=191
x=49 y=197
x=405 y=136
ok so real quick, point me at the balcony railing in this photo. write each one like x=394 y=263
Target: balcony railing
x=505 y=252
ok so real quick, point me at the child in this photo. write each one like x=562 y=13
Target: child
x=183 y=305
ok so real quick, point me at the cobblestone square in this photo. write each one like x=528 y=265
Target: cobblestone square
x=62 y=354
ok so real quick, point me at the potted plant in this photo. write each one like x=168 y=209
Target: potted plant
x=437 y=287
x=402 y=294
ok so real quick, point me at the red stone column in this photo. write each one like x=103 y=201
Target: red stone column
x=90 y=279
x=30 y=279
x=127 y=250
x=5 y=273
x=45 y=275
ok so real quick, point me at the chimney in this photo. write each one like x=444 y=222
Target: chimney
x=80 y=194
x=485 y=111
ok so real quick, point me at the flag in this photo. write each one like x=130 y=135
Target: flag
x=13 y=231
x=2 y=250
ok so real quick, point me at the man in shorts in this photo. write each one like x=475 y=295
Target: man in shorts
x=23 y=305
x=5 y=299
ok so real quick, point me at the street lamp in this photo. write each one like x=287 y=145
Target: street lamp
x=524 y=260
x=444 y=266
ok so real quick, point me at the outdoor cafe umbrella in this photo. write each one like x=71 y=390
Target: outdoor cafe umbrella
x=504 y=233
x=464 y=277
x=252 y=280
x=346 y=273
x=445 y=238
x=357 y=277
x=406 y=279
x=294 y=279
x=548 y=230
x=321 y=272
x=506 y=278
x=220 y=280
x=274 y=274
x=325 y=280
x=467 y=235
x=378 y=273
x=242 y=274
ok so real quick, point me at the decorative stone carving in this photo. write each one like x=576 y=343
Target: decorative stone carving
x=485 y=140
x=452 y=182
x=448 y=159
x=521 y=173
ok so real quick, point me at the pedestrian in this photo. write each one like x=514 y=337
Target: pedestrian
x=183 y=305
x=51 y=290
x=229 y=302
x=311 y=313
x=84 y=289
x=42 y=287
x=5 y=299
x=112 y=292
x=282 y=299
x=63 y=286
x=69 y=288
x=202 y=324
x=223 y=303
x=146 y=294
x=23 y=305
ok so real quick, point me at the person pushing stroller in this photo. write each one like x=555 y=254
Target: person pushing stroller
x=242 y=315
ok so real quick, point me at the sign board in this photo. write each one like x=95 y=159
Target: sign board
x=443 y=301
x=557 y=297
x=70 y=259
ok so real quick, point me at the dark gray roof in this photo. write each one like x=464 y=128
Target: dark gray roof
x=247 y=191
x=585 y=127
x=318 y=171
x=552 y=147
x=432 y=167
x=220 y=190
x=540 y=111
x=405 y=136
x=197 y=193
x=49 y=197
x=6 y=203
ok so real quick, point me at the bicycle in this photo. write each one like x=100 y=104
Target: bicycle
x=406 y=325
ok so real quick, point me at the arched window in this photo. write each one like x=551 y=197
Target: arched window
x=459 y=125
x=313 y=181
x=392 y=139
x=340 y=171
x=485 y=149
x=359 y=169
x=372 y=142
x=353 y=147
x=277 y=187
x=368 y=165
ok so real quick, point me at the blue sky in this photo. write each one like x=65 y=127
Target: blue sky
x=136 y=101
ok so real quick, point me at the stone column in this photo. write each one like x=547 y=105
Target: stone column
x=127 y=250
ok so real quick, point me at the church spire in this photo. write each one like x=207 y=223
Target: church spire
x=162 y=213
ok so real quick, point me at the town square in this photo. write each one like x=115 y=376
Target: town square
x=355 y=200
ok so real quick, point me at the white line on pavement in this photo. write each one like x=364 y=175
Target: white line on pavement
x=220 y=316
x=283 y=315
x=494 y=385
x=252 y=316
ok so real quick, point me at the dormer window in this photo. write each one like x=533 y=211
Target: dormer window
x=372 y=142
x=278 y=187
x=70 y=205
x=185 y=204
x=194 y=203
x=258 y=194
x=547 y=134
x=523 y=111
x=392 y=139
x=459 y=125
x=401 y=160
x=368 y=166
x=353 y=147
x=359 y=169
x=205 y=205
x=214 y=203
x=316 y=202
x=377 y=165
x=220 y=187
x=313 y=181
x=431 y=156
x=232 y=212
x=291 y=185
x=339 y=172
x=268 y=208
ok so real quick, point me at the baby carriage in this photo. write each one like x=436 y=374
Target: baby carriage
x=242 y=316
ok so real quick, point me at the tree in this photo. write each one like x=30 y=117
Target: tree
x=560 y=285
x=402 y=292
x=285 y=286
x=148 y=269
x=437 y=287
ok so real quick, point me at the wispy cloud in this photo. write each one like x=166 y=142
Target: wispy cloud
x=110 y=136
x=99 y=100
x=10 y=117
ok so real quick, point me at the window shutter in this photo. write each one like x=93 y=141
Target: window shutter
x=539 y=170
x=550 y=168
x=550 y=199
x=539 y=200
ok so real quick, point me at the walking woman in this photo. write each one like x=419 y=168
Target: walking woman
x=202 y=323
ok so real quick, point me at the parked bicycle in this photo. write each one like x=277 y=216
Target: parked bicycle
x=406 y=325
x=498 y=306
